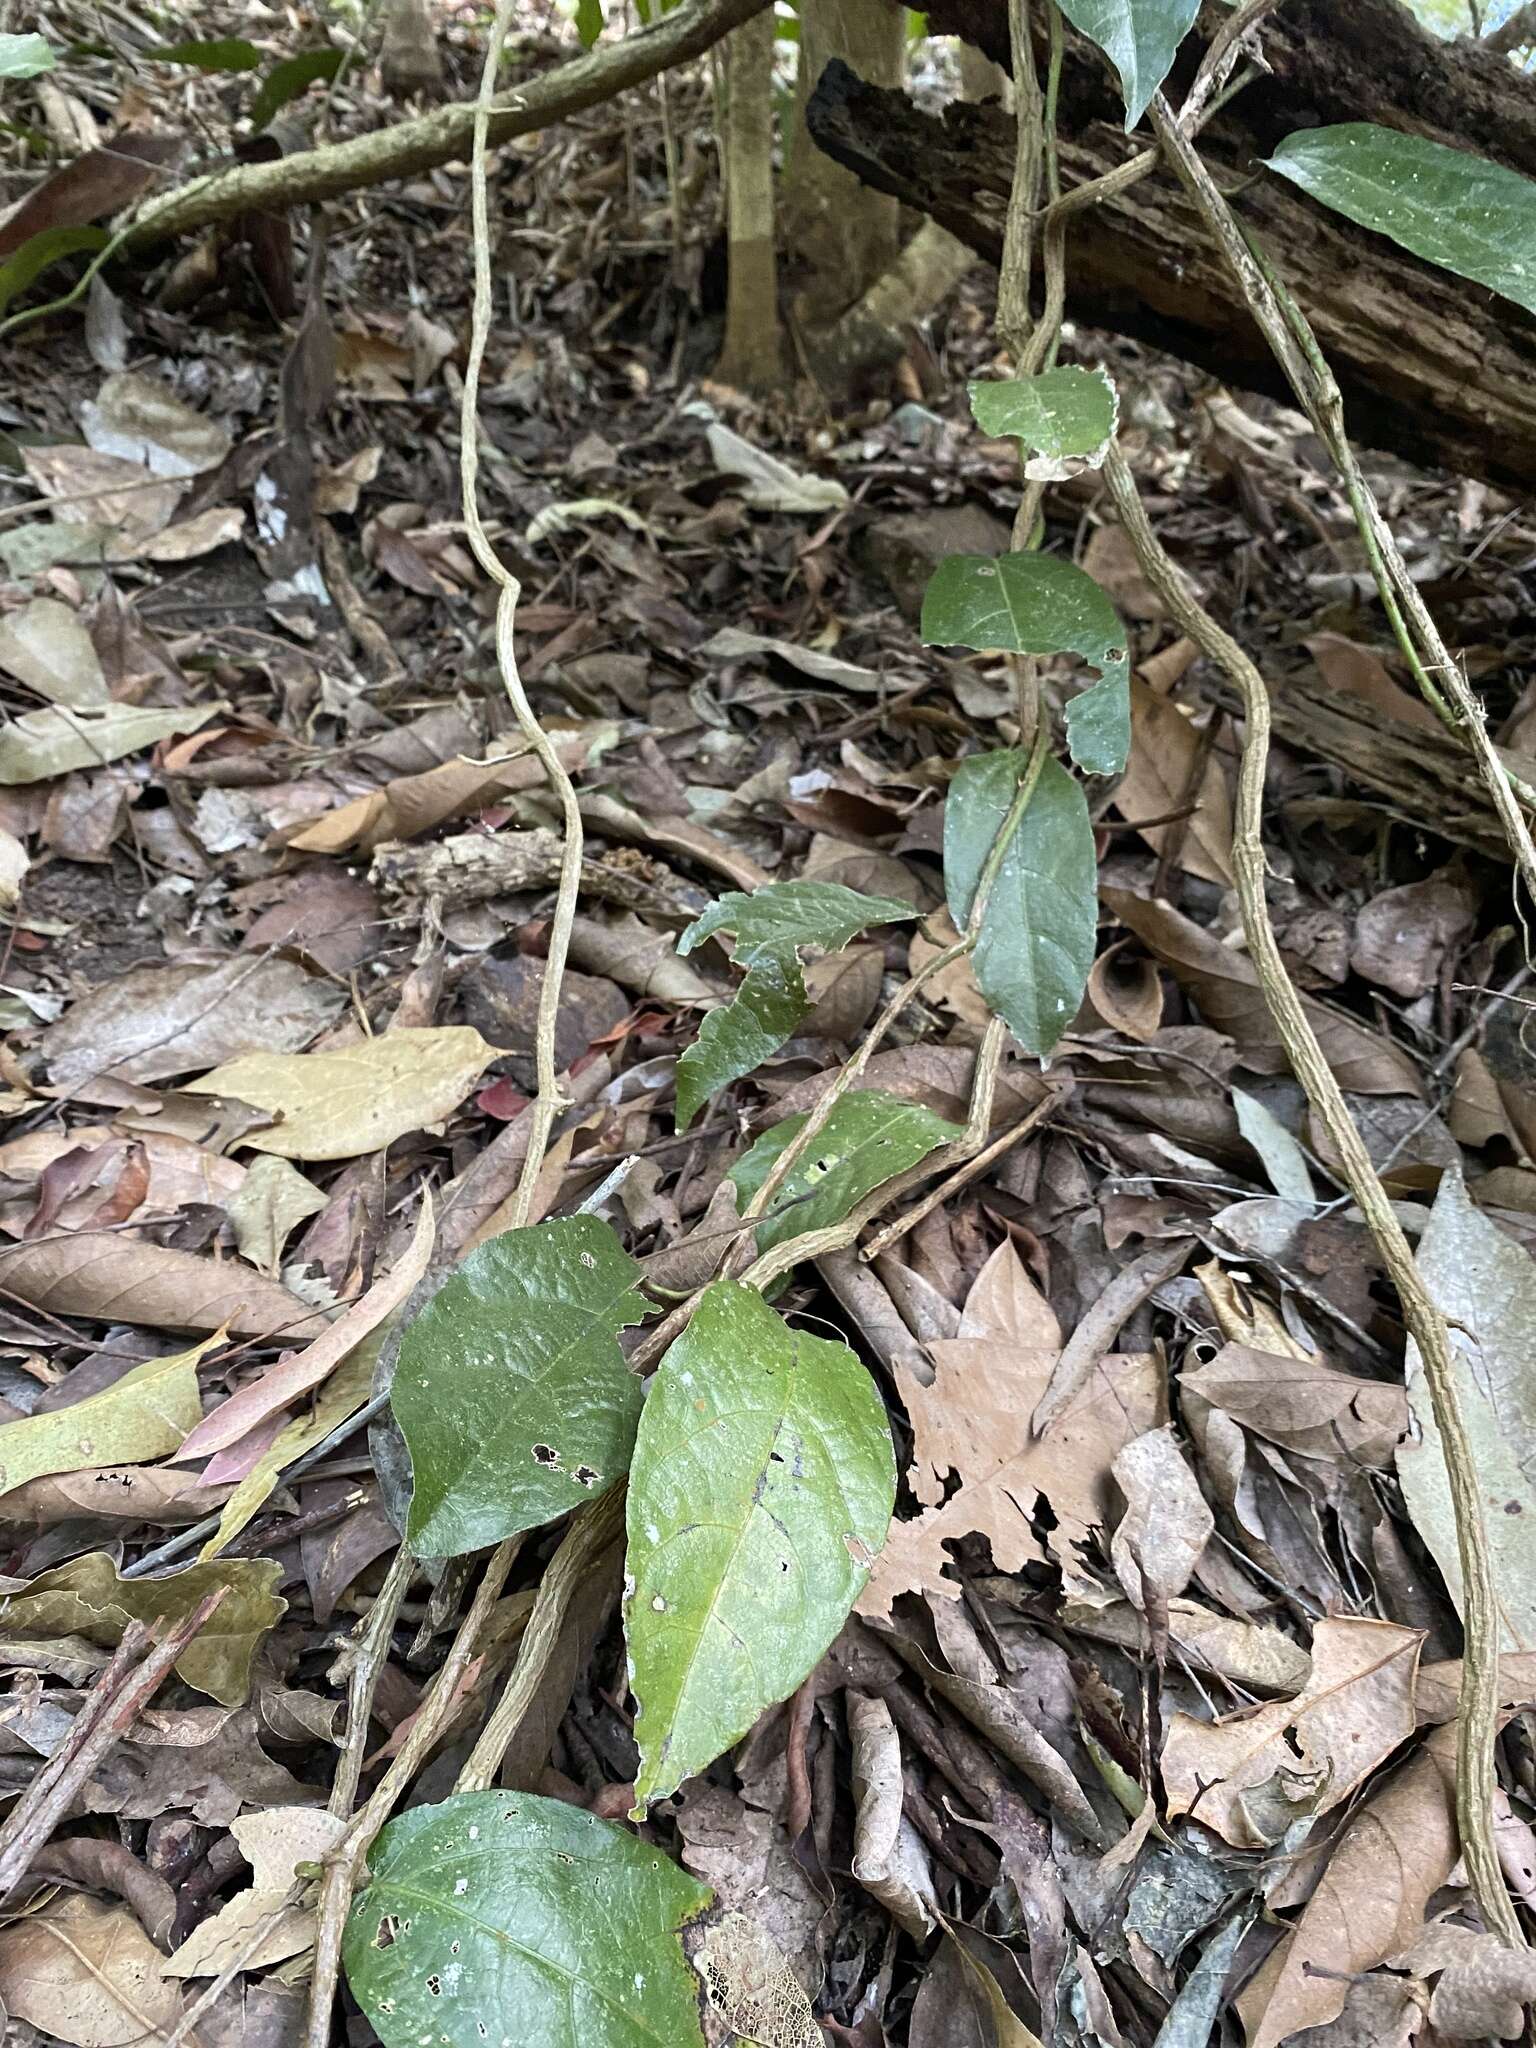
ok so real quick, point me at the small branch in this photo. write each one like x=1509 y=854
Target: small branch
x=963 y=1175
x=368 y=1660
x=1518 y=33
x=1476 y=1780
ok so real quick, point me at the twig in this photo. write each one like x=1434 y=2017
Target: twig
x=114 y=1703
x=1516 y=33
x=1476 y=1780
x=362 y=1680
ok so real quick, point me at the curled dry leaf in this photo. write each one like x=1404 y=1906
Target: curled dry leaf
x=1160 y=1538
x=889 y=1859
x=1483 y=1986
x=1303 y=1404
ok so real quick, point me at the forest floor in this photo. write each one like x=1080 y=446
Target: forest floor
x=278 y=836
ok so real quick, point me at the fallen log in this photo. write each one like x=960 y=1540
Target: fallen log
x=1431 y=367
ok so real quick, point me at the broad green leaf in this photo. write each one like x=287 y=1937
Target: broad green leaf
x=1452 y=208
x=1484 y=1283
x=24 y=56
x=1064 y=413
x=1139 y=37
x=511 y=1390
x=1039 y=604
x=1035 y=946
x=87 y=1598
x=56 y=739
x=589 y=21
x=143 y=1415
x=226 y=53
x=337 y=1105
x=759 y=1497
x=499 y=1917
x=40 y=252
x=285 y=81
x=869 y=1137
x=769 y=925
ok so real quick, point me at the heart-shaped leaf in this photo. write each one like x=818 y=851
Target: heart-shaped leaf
x=502 y=1918
x=1039 y=604
x=759 y=1497
x=1446 y=205
x=1036 y=942
x=1064 y=414
x=769 y=925
x=869 y=1137
x=1139 y=37
x=510 y=1389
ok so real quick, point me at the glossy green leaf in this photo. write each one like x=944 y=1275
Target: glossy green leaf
x=760 y=1496
x=869 y=1137
x=285 y=81
x=24 y=56
x=1040 y=604
x=226 y=53
x=40 y=252
x=1036 y=941
x=769 y=925
x=1452 y=208
x=500 y=1918
x=1065 y=413
x=589 y=21
x=510 y=1389
x=1139 y=37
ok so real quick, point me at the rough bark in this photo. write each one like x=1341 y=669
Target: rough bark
x=409 y=59
x=1432 y=367
x=751 y=357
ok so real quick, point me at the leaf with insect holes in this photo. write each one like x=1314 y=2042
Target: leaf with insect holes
x=499 y=1916
x=760 y=1495
x=511 y=1391
x=869 y=1138
x=1039 y=604
x=1454 y=209
x=1139 y=37
x=1035 y=946
x=143 y=1415
x=1065 y=417
x=769 y=925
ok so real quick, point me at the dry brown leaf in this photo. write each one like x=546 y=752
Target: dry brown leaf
x=1369 y=1904
x=113 y=1278
x=1347 y=666
x=1484 y=1986
x=272 y=1843
x=1303 y=1404
x=114 y=1493
x=1226 y=985
x=46 y=646
x=414 y=804
x=889 y=1858
x=1249 y=1653
x=1161 y=1537
x=1403 y=937
x=88 y=1974
x=1127 y=992
x=1438 y=1697
x=1250 y=1776
x=91 y=489
x=1165 y=753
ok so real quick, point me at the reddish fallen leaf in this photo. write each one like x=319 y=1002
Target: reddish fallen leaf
x=100 y=182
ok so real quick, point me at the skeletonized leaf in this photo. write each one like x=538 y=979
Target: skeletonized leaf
x=141 y=1416
x=335 y=1105
x=1064 y=416
x=87 y=1598
x=769 y=925
x=1040 y=604
x=1035 y=946
x=54 y=740
x=760 y=1495
x=511 y=1390
x=498 y=1916
x=1139 y=37
x=1455 y=209
x=869 y=1137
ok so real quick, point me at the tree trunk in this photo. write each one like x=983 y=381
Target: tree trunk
x=751 y=357
x=1434 y=368
x=842 y=234
x=409 y=60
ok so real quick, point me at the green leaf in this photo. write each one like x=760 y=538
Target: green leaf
x=769 y=925
x=40 y=252
x=143 y=1415
x=24 y=56
x=511 y=1390
x=227 y=53
x=87 y=1598
x=760 y=1495
x=589 y=21
x=1065 y=413
x=869 y=1137
x=1139 y=37
x=1039 y=604
x=500 y=1917
x=1454 y=209
x=285 y=81
x=1036 y=941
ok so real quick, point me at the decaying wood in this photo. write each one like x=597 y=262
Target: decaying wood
x=474 y=867
x=1434 y=368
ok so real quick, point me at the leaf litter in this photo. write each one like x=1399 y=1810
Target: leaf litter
x=1142 y=1722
